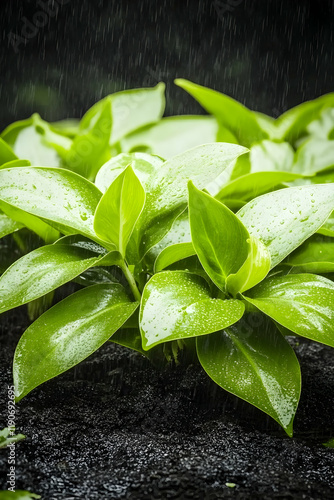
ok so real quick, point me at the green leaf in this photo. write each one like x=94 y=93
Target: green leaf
x=269 y=156
x=218 y=236
x=255 y=268
x=252 y=185
x=172 y=254
x=313 y=156
x=131 y=109
x=68 y=333
x=8 y=225
x=324 y=126
x=303 y=303
x=8 y=436
x=293 y=124
x=329 y=444
x=16 y=163
x=255 y=364
x=143 y=165
x=166 y=194
x=43 y=230
x=313 y=257
x=6 y=153
x=58 y=196
x=17 y=495
x=177 y=305
x=119 y=209
x=42 y=270
x=173 y=135
x=34 y=140
x=327 y=229
x=282 y=220
x=90 y=148
x=234 y=116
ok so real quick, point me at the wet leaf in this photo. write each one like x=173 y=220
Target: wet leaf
x=284 y=219
x=8 y=225
x=257 y=365
x=119 y=209
x=68 y=333
x=303 y=303
x=178 y=305
x=218 y=236
x=313 y=257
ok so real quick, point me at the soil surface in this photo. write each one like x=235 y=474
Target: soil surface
x=116 y=427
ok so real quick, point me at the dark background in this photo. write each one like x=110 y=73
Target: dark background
x=269 y=54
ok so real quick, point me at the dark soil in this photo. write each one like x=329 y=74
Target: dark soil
x=115 y=427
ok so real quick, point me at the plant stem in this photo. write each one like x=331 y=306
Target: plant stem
x=130 y=280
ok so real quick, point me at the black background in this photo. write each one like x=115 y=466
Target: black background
x=269 y=54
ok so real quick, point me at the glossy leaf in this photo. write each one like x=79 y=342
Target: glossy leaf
x=303 y=303
x=230 y=113
x=255 y=268
x=255 y=184
x=16 y=163
x=68 y=333
x=177 y=305
x=327 y=229
x=143 y=165
x=58 y=196
x=257 y=365
x=172 y=254
x=119 y=209
x=313 y=156
x=293 y=124
x=41 y=271
x=33 y=139
x=173 y=135
x=282 y=220
x=313 y=257
x=218 y=236
x=269 y=156
x=166 y=195
x=131 y=109
x=42 y=229
x=90 y=148
x=8 y=225
x=6 y=153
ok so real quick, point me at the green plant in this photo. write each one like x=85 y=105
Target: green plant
x=194 y=276
x=8 y=436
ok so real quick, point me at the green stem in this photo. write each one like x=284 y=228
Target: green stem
x=130 y=280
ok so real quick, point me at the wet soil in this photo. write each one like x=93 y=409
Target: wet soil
x=116 y=427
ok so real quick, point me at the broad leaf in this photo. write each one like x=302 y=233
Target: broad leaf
x=131 y=109
x=42 y=229
x=269 y=156
x=173 y=135
x=143 y=165
x=218 y=236
x=58 y=196
x=255 y=268
x=177 y=305
x=293 y=124
x=252 y=185
x=303 y=303
x=282 y=220
x=41 y=271
x=68 y=333
x=6 y=153
x=8 y=225
x=257 y=365
x=34 y=140
x=119 y=209
x=90 y=148
x=16 y=163
x=172 y=254
x=230 y=113
x=166 y=194
x=313 y=257
x=327 y=229
x=18 y=495
x=315 y=155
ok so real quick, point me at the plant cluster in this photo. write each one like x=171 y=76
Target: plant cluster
x=220 y=227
